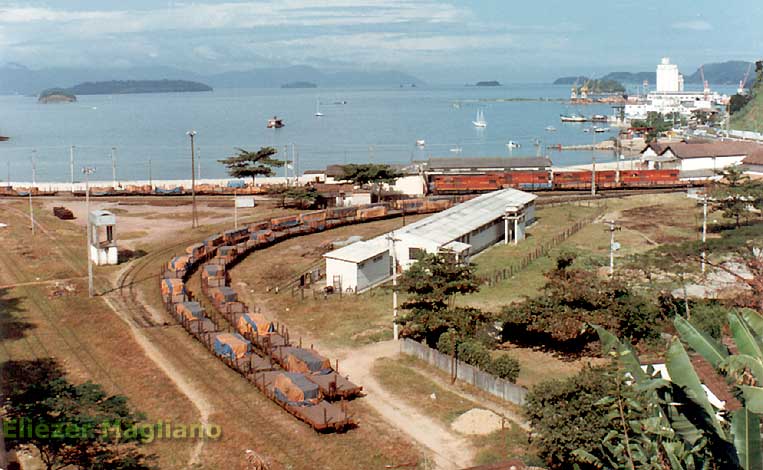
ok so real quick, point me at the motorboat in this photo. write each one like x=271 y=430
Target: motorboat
x=421 y=143
x=275 y=123
x=600 y=130
x=550 y=129
x=457 y=149
x=512 y=145
x=572 y=118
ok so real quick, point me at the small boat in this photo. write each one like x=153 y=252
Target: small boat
x=421 y=142
x=587 y=130
x=572 y=118
x=550 y=129
x=480 y=120
x=600 y=130
x=457 y=149
x=599 y=118
x=318 y=112
x=3 y=138
x=512 y=145
x=275 y=123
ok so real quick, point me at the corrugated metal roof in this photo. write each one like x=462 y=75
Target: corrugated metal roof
x=443 y=227
x=685 y=150
x=360 y=251
x=466 y=217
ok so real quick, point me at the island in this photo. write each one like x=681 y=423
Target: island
x=299 y=85
x=570 y=80
x=488 y=83
x=56 y=95
x=122 y=87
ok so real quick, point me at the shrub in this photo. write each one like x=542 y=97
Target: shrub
x=505 y=367
x=474 y=353
x=446 y=341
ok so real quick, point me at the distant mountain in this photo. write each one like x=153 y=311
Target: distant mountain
x=299 y=85
x=488 y=83
x=122 y=87
x=632 y=77
x=570 y=80
x=15 y=78
x=722 y=73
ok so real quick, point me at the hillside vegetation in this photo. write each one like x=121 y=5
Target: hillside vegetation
x=750 y=118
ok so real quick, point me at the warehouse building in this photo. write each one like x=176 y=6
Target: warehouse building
x=463 y=230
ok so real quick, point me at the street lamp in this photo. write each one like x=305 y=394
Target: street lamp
x=87 y=171
x=194 y=221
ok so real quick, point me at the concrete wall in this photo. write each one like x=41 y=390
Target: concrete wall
x=710 y=163
x=486 y=236
x=358 y=276
x=480 y=379
x=374 y=270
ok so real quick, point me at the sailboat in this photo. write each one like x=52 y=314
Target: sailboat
x=480 y=120
x=318 y=112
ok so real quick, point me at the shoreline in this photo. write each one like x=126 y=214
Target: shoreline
x=626 y=164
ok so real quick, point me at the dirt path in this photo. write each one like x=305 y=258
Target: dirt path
x=450 y=450
x=40 y=283
x=199 y=400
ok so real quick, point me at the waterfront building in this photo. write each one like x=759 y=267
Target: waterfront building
x=689 y=157
x=669 y=97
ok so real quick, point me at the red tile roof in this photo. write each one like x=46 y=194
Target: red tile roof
x=755 y=157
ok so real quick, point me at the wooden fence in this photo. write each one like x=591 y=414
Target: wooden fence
x=508 y=272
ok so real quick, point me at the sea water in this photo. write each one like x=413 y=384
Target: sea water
x=379 y=125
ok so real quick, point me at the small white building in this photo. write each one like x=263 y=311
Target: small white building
x=103 y=243
x=464 y=230
x=692 y=157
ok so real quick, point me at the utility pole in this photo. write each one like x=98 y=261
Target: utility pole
x=150 y=179
x=235 y=209
x=593 y=162
x=194 y=221
x=704 y=232
x=114 y=167
x=31 y=210
x=612 y=245
x=34 y=168
x=31 y=190
x=87 y=171
x=71 y=166
x=395 y=330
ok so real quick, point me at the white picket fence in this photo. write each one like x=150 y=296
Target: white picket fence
x=470 y=374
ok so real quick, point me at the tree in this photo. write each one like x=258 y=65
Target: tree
x=299 y=196
x=369 y=173
x=657 y=123
x=433 y=283
x=246 y=164
x=735 y=193
x=572 y=298
x=76 y=425
x=564 y=416
x=505 y=367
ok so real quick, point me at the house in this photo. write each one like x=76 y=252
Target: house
x=692 y=157
x=753 y=163
x=463 y=231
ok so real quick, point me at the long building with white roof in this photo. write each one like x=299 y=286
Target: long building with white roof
x=464 y=230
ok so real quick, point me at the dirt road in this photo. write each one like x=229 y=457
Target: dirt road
x=450 y=451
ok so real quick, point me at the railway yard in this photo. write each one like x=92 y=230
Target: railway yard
x=204 y=326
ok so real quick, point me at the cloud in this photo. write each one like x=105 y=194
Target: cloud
x=693 y=25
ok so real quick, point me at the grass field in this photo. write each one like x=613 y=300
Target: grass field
x=338 y=321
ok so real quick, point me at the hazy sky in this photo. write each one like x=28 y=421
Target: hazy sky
x=448 y=41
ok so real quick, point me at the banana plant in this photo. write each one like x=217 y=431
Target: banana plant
x=697 y=436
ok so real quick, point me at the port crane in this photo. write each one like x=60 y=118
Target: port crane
x=743 y=82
